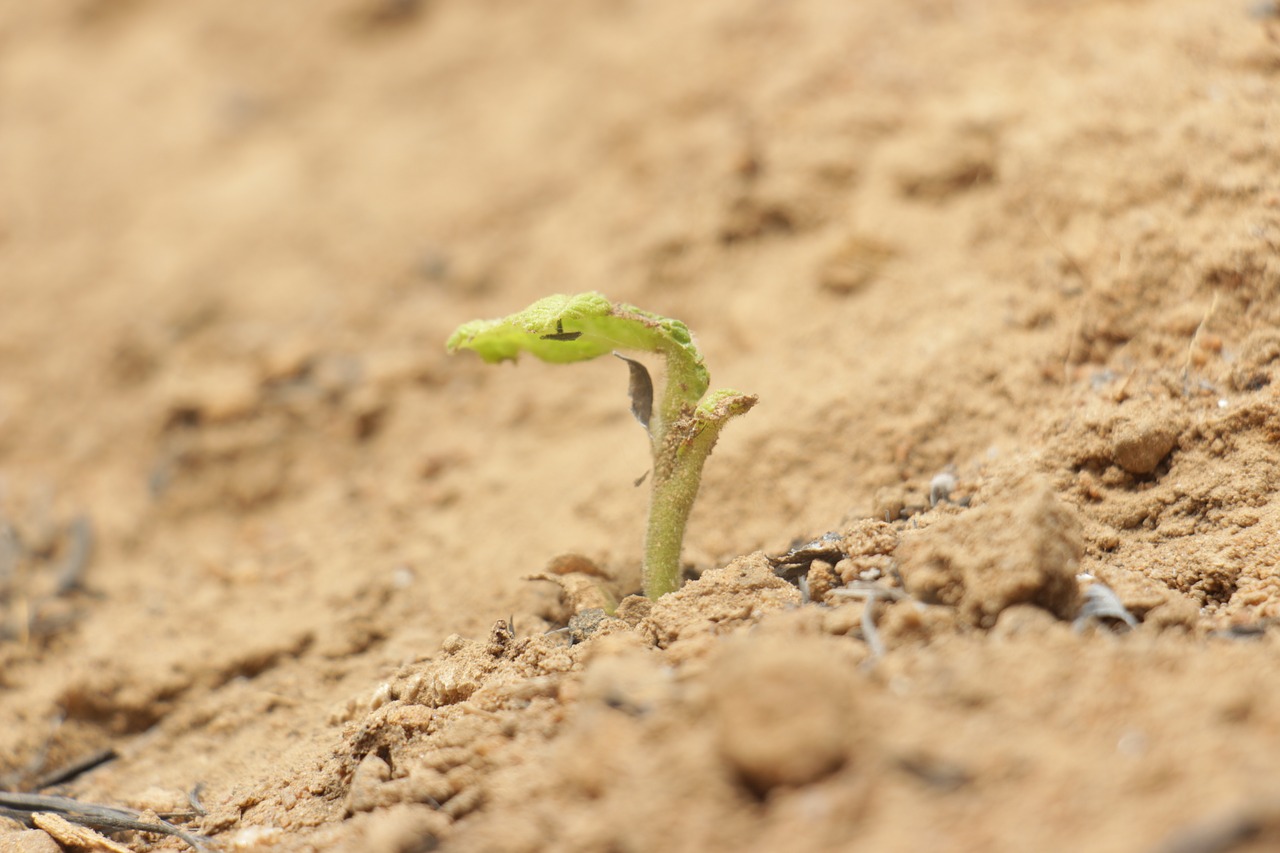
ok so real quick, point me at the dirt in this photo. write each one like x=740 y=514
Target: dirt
x=1005 y=277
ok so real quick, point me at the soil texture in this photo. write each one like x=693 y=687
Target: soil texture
x=994 y=564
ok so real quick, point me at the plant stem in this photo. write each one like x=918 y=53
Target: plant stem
x=679 y=452
x=675 y=485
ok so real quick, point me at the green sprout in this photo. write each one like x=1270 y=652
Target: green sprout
x=683 y=427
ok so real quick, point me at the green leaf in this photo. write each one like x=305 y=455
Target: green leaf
x=563 y=329
x=538 y=330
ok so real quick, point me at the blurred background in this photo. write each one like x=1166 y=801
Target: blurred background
x=236 y=464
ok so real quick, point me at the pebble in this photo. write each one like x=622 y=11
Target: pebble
x=1140 y=443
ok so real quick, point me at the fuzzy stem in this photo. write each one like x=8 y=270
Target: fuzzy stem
x=676 y=475
x=680 y=451
x=675 y=485
x=681 y=388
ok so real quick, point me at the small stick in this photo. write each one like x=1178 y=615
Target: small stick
x=193 y=797
x=24 y=807
x=76 y=768
x=870 y=593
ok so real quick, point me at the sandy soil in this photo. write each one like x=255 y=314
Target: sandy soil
x=260 y=535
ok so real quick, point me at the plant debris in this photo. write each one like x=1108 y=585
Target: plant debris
x=640 y=389
x=27 y=809
x=1102 y=605
x=795 y=564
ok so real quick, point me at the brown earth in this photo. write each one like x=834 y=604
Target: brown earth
x=258 y=534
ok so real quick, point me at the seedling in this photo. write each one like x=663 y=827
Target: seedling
x=684 y=425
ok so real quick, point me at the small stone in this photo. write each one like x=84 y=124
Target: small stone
x=1139 y=443
x=586 y=622
x=367 y=784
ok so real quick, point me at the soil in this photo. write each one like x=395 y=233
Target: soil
x=1004 y=275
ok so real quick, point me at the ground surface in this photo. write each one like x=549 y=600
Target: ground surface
x=1034 y=244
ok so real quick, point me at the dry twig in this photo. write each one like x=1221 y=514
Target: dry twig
x=33 y=809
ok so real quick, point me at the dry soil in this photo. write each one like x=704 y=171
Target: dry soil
x=1005 y=276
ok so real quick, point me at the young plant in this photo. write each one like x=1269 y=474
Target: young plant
x=683 y=426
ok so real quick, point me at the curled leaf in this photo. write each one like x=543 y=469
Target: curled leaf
x=563 y=329
x=542 y=329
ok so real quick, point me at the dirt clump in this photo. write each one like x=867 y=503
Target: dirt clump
x=1142 y=439
x=754 y=692
x=1019 y=545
